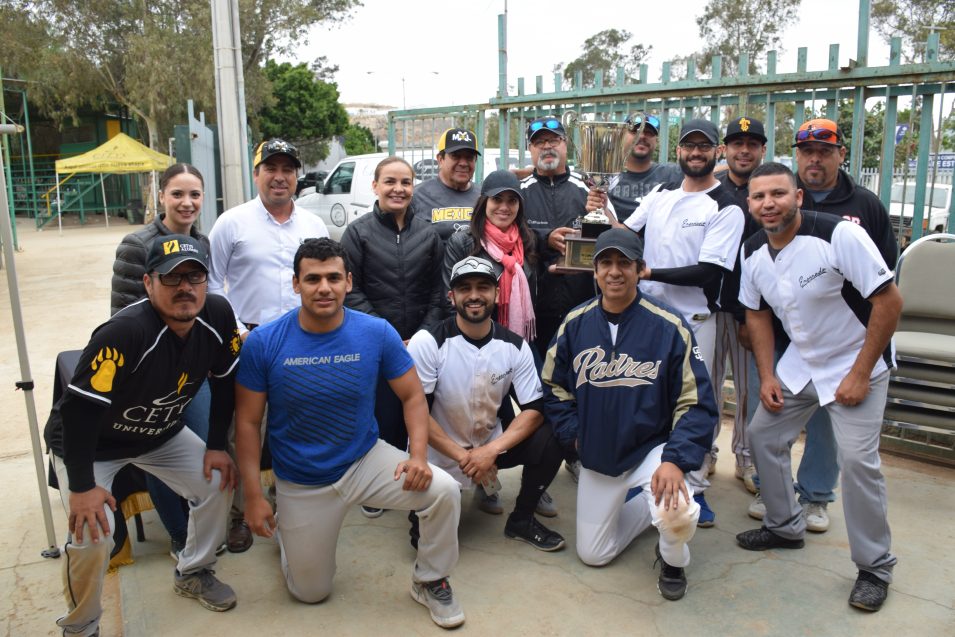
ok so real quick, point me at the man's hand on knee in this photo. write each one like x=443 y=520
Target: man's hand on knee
x=220 y=460
x=259 y=516
x=417 y=474
x=87 y=508
x=666 y=483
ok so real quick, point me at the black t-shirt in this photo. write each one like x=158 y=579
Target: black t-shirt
x=141 y=376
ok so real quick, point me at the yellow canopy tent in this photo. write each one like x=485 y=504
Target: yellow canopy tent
x=120 y=155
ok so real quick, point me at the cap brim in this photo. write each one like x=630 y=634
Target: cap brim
x=559 y=133
x=295 y=160
x=493 y=192
x=707 y=134
x=816 y=141
x=452 y=149
x=630 y=254
x=169 y=266
x=466 y=275
x=762 y=138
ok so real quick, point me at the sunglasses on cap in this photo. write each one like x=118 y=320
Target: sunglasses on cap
x=549 y=124
x=637 y=119
x=816 y=134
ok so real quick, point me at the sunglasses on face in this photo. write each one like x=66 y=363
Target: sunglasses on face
x=703 y=146
x=638 y=118
x=549 y=124
x=818 y=134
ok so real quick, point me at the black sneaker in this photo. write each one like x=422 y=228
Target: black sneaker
x=672 y=581
x=762 y=539
x=534 y=533
x=869 y=592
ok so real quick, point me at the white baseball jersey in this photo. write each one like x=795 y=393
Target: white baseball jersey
x=470 y=381
x=686 y=228
x=818 y=286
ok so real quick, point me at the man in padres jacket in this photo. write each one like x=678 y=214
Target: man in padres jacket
x=626 y=386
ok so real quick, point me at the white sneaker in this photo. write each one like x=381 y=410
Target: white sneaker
x=757 y=510
x=574 y=469
x=437 y=596
x=747 y=474
x=546 y=506
x=817 y=517
x=488 y=503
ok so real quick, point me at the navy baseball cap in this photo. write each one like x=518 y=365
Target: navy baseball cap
x=472 y=266
x=549 y=123
x=168 y=251
x=704 y=126
x=274 y=147
x=745 y=126
x=624 y=240
x=499 y=181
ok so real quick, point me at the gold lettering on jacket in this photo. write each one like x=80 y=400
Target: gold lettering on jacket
x=621 y=371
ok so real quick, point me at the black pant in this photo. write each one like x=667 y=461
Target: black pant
x=390 y=414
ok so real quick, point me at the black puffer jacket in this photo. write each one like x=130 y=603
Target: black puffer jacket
x=130 y=264
x=460 y=245
x=395 y=274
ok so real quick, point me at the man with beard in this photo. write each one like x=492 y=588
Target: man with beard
x=137 y=375
x=817 y=271
x=448 y=200
x=251 y=248
x=641 y=173
x=469 y=367
x=692 y=232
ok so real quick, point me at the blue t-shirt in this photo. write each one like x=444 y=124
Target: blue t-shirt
x=321 y=391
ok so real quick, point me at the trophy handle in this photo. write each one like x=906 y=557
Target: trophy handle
x=569 y=118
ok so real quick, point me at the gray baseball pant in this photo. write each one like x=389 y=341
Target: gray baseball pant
x=178 y=463
x=864 y=499
x=310 y=518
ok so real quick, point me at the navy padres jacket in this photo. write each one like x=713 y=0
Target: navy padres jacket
x=620 y=401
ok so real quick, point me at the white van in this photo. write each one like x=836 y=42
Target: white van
x=938 y=200
x=346 y=193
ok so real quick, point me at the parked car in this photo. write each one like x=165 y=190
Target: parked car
x=938 y=200
x=310 y=182
x=346 y=193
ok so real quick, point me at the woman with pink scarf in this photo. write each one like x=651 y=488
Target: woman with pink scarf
x=499 y=233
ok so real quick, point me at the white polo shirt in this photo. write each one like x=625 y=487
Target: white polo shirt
x=470 y=381
x=686 y=228
x=251 y=258
x=818 y=286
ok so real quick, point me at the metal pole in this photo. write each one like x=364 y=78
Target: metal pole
x=102 y=184
x=6 y=232
x=59 y=204
x=231 y=119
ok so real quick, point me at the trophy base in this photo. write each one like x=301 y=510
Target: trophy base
x=579 y=255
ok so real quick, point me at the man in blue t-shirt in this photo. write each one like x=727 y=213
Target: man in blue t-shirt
x=317 y=367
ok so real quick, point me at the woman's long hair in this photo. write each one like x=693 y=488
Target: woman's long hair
x=479 y=217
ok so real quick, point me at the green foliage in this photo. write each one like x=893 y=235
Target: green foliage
x=732 y=27
x=910 y=20
x=605 y=51
x=359 y=140
x=305 y=110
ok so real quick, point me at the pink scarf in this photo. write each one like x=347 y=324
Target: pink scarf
x=514 y=308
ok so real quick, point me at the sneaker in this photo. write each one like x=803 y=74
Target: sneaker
x=817 y=518
x=175 y=547
x=747 y=475
x=707 y=517
x=534 y=533
x=488 y=503
x=371 y=512
x=204 y=586
x=222 y=548
x=546 y=507
x=869 y=592
x=762 y=539
x=437 y=596
x=239 y=537
x=672 y=580
x=757 y=510
x=574 y=469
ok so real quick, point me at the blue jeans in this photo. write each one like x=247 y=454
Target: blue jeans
x=818 y=471
x=168 y=504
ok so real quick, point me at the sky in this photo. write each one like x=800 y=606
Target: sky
x=437 y=52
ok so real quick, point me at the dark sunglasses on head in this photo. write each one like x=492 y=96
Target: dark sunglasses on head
x=638 y=118
x=550 y=124
x=820 y=134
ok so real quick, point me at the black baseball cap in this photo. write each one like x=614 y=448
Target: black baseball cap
x=472 y=266
x=499 y=181
x=624 y=240
x=168 y=251
x=455 y=139
x=549 y=123
x=745 y=126
x=704 y=126
x=275 y=147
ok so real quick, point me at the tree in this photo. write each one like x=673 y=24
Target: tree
x=732 y=27
x=912 y=20
x=148 y=57
x=605 y=51
x=304 y=109
x=359 y=140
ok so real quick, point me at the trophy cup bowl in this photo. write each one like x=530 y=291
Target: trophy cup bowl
x=601 y=154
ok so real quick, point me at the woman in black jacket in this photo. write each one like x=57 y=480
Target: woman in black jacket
x=395 y=262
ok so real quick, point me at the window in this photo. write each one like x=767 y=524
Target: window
x=340 y=181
